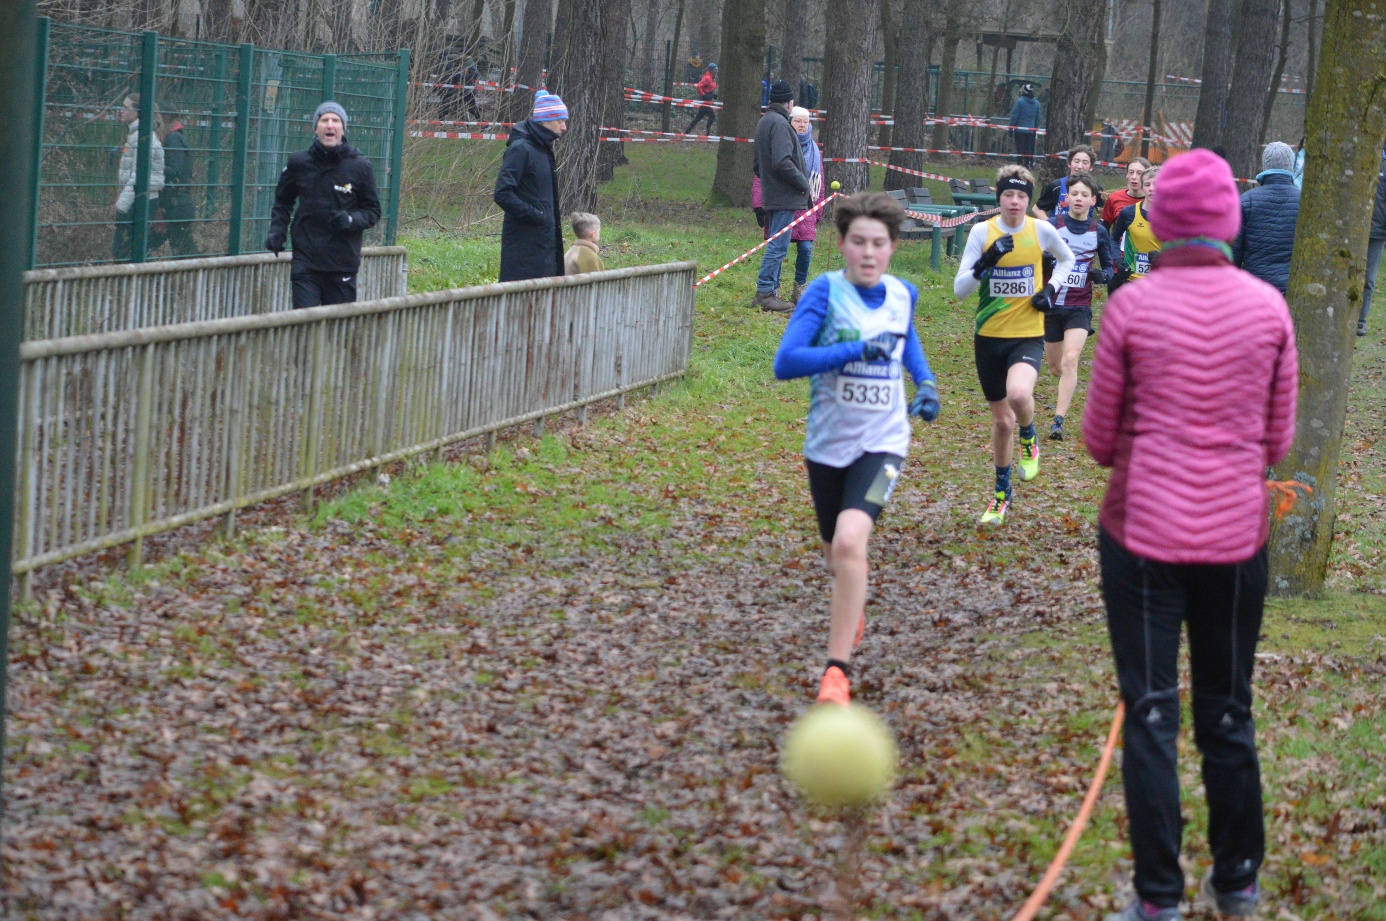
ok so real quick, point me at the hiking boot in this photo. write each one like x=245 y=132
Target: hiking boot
x=1138 y=911
x=834 y=688
x=861 y=631
x=1029 y=459
x=996 y=509
x=1239 y=904
x=769 y=300
x=1056 y=431
x=797 y=293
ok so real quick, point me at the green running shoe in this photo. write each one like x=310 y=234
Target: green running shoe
x=1029 y=458
x=996 y=510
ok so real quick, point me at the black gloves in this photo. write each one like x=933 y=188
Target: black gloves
x=925 y=404
x=1044 y=300
x=993 y=255
x=275 y=242
x=760 y=217
x=878 y=348
x=342 y=220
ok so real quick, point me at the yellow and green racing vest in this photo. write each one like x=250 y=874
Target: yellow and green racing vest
x=1004 y=310
x=1140 y=245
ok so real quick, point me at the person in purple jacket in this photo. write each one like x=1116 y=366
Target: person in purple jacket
x=1192 y=397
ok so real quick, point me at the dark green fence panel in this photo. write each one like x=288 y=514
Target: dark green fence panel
x=242 y=112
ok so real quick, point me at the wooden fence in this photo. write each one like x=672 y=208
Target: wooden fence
x=127 y=434
x=87 y=300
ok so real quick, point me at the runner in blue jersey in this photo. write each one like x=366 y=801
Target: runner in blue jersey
x=852 y=333
x=1068 y=325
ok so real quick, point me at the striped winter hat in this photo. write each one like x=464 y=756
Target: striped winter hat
x=549 y=108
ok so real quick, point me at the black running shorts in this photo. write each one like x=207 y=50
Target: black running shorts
x=995 y=357
x=1058 y=322
x=866 y=484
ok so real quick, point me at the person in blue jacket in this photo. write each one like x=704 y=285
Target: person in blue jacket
x=1269 y=214
x=852 y=334
x=1376 y=241
x=1025 y=119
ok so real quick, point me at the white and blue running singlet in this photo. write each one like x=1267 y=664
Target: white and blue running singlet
x=860 y=408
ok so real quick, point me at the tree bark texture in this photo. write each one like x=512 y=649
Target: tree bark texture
x=1282 y=52
x=1312 y=39
x=891 y=39
x=912 y=105
x=651 y=51
x=672 y=66
x=611 y=76
x=1345 y=123
x=795 y=27
x=1152 y=74
x=743 y=59
x=1080 y=63
x=594 y=33
x=1250 y=77
x=534 y=37
x=847 y=89
x=952 y=34
x=1216 y=74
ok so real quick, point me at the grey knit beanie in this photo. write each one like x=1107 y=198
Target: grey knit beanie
x=1278 y=155
x=332 y=107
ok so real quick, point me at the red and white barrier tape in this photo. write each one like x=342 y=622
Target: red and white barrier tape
x=676 y=135
x=766 y=242
x=415 y=122
x=458 y=136
x=945 y=222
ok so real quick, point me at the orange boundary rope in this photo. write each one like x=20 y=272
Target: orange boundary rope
x=1056 y=866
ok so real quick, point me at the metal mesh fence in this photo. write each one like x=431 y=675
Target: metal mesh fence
x=189 y=169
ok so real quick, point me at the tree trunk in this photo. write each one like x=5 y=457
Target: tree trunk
x=507 y=38
x=1312 y=39
x=1216 y=74
x=1250 y=76
x=1151 y=75
x=611 y=75
x=792 y=51
x=1282 y=52
x=911 y=107
x=889 y=89
x=847 y=90
x=672 y=67
x=952 y=34
x=650 y=71
x=743 y=59
x=474 y=18
x=1346 y=121
x=592 y=60
x=216 y=21
x=534 y=34
x=1080 y=63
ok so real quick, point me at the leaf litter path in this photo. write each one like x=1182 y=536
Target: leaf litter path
x=376 y=720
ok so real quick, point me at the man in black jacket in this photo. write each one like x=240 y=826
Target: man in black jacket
x=784 y=189
x=337 y=203
x=527 y=191
x=176 y=200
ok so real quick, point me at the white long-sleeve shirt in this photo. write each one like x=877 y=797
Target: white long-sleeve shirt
x=1049 y=240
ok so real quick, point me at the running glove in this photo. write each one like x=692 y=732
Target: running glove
x=1044 y=300
x=879 y=348
x=342 y=220
x=275 y=242
x=925 y=404
x=993 y=255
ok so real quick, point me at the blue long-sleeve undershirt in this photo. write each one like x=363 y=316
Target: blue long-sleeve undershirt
x=799 y=357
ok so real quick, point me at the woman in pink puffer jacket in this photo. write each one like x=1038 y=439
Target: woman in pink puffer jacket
x=1192 y=397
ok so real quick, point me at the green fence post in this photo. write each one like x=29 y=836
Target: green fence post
x=329 y=76
x=214 y=119
x=18 y=104
x=935 y=239
x=244 y=82
x=40 y=94
x=397 y=146
x=149 y=68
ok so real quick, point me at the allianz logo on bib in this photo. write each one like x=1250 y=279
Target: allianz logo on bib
x=883 y=370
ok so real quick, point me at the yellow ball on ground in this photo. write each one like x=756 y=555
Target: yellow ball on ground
x=839 y=757
x=835 y=186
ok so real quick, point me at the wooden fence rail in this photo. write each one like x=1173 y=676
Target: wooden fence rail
x=127 y=434
x=86 y=300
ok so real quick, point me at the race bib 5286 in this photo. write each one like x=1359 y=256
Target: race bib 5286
x=1013 y=281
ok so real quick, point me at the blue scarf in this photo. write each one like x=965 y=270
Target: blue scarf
x=813 y=160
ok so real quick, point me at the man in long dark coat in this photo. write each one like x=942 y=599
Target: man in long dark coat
x=527 y=191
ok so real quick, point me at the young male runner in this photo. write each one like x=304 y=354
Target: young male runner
x=851 y=333
x=1069 y=324
x=1004 y=262
x=1132 y=233
x=1127 y=196
x=1055 y=196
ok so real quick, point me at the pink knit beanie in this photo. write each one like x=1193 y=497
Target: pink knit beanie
x=1196 y=196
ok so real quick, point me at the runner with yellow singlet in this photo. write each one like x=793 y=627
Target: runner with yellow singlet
x=1004 y=262
x=1132 y=233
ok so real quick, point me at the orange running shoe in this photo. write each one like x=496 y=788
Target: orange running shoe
x=834 y=689
x=861 y=630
